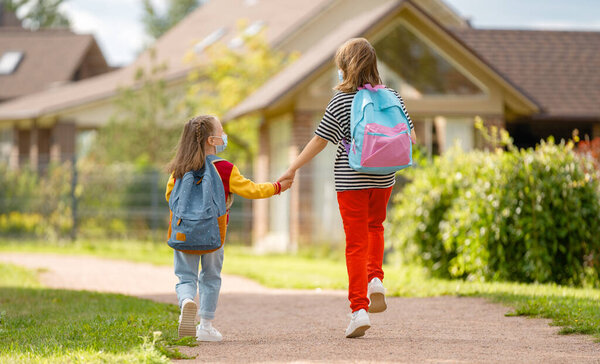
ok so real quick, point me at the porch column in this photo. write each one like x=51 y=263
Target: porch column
x=62 y=145
x=440 y=132
x=33 y=147
x=14 y=150
x=260 y=207
x=302 y=193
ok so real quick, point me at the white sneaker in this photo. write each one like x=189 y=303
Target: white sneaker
x=359 y=323
x=187 y=318
x=376 y=294
x=208 y=334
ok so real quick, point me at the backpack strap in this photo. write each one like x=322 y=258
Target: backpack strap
x=346 y=145
x=368 y=86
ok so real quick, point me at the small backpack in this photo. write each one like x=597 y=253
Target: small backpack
x=198 y=211
x=380 y=131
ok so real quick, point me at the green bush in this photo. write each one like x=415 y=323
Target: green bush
x=520 y=215
x=36 y=204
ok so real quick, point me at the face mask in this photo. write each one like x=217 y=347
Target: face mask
x=221 y=148
x=340 y=75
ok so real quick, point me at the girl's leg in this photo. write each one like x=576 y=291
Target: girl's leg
x=378 y=200
x=210 y=283
x=186 y=269
x=355 y=212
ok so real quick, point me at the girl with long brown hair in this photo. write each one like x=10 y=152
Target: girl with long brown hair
x=203 y=136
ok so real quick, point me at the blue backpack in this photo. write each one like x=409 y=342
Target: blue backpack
x=381 y=141
x=198 y=211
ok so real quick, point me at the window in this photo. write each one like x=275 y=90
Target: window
x=412 y=65
x=250 y=30
x=10 y=61
x=209 y=39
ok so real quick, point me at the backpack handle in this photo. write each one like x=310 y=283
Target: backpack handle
x=371 y=88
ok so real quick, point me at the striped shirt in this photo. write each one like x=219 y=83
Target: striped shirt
x=335 y=126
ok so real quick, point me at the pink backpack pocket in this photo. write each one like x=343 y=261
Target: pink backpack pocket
x=384 y=146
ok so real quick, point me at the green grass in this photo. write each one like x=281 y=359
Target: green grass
x=49 y=325
x=576 y=310
x=136 y=251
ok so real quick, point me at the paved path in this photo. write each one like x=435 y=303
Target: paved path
x=268 y=325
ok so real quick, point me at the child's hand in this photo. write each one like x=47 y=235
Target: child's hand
x=286 y=184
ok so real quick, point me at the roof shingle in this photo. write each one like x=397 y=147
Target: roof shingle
x=557 y=69
x=49 y=57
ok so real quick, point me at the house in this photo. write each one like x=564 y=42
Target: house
x=39 y=61
x=533 y=83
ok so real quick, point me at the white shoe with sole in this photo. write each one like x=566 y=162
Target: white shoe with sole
x=208 y=333
x=359 y=323
x=187 y=318
x=376 y=294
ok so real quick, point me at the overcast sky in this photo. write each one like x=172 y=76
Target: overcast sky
x=118 y=28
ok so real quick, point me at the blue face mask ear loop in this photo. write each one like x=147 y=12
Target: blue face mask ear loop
x=340 y=75
x=221 y=148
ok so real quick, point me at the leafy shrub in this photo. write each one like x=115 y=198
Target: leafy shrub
x=27 y=196
x=590 y=149
x=522 y=215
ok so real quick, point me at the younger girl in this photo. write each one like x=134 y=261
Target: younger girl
x=203 y=135
x=362 y=197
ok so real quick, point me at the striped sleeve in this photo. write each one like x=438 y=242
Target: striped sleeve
x=330 y=127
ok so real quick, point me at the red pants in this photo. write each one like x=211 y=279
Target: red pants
x=363 y=213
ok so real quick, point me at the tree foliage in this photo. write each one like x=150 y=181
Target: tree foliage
x=157 y=24
x=39 y=13
x=145 y=125
x=224 y=76
x=149 y=116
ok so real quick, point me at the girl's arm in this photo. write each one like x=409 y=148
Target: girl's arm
x=170 y=185
x=246 y=188
x=314 y=147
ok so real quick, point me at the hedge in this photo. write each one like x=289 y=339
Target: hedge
x=519 y=215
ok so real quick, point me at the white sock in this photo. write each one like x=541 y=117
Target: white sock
x=205 y=323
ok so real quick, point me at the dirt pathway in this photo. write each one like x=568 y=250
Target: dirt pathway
x=268 y=325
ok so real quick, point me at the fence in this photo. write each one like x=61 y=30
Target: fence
x=94 y=201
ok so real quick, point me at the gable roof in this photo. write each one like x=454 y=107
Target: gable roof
x=319 y=55
x=50 y=57
x=558 y=69
x=279 y=18
x=283 y=19
x=322 y=54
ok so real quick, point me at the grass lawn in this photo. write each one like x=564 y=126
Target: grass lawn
x=49 y=325
x=576 y=310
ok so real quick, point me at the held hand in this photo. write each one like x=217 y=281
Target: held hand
x=286 y=184
x=287 y=175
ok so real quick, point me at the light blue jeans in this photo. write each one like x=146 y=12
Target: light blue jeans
x=208 y=282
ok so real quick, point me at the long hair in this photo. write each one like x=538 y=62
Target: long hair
x=190 y=153
x=358 y=62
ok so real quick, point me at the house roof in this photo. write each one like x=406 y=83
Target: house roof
x=322 y=53
x=282 y=20
x=558 y=69
x=319 y=55
x=50 y=57
x=279 y=18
